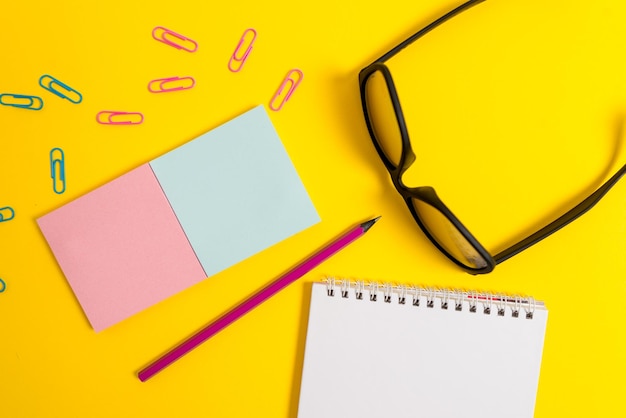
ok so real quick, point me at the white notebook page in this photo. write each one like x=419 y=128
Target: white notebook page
x=376 y=359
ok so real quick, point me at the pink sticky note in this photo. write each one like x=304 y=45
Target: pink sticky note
x=121 y=248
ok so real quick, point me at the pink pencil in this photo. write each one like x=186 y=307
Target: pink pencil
x=254 y=301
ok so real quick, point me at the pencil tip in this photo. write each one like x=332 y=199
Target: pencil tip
x=367 y=225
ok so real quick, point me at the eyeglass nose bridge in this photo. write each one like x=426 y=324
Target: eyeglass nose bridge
x=396 y=175
x=397 y=172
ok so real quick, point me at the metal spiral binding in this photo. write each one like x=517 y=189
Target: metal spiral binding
x=459 y=299
x=373 y=291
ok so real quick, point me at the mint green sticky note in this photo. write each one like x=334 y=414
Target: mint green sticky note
x=235 y=191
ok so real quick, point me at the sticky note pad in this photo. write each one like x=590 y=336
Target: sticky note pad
x=121 y=248
x=234 y=191
x=186 y=215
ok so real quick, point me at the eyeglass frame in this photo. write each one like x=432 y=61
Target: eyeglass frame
x=427 y=194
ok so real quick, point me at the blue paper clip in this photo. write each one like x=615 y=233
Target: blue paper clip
x=6 y=214
x=57 y=167
x=60 y=89
x=3 y=286
x=22 y=101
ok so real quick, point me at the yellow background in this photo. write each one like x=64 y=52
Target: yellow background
x=516 y=114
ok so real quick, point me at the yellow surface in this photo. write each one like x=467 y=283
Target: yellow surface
x=517 y=111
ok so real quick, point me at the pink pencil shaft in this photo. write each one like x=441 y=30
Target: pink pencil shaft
x=252 y=302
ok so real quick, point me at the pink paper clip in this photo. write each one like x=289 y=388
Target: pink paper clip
x=163 y=85
x=247 y=42
x=179 y=41
x=108 y=117
x=290 y=81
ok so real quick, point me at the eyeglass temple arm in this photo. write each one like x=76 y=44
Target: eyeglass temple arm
x=427 y=29
x=562 y=221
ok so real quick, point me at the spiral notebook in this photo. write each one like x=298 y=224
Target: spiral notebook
x=378 y=350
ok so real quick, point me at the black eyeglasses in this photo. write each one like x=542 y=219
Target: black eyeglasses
x=388 y=130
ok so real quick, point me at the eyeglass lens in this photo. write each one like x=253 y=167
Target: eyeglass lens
x=383 y=117
x=447 y=235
